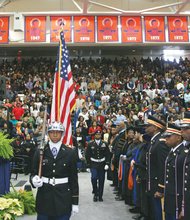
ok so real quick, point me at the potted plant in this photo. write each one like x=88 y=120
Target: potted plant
x=6 y=152
x=10 y=209
x=25 y=198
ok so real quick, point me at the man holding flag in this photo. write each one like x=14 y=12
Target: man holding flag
x=54 y=171
x=63 y=100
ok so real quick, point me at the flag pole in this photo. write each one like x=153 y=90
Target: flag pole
x=59 y=72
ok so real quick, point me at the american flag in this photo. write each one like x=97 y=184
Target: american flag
x=63 y=100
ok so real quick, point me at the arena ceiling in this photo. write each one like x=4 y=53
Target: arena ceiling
x=120 y=7
x=95 y=7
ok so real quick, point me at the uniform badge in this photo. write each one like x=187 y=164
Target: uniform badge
x=103 y=145
x=44 y=162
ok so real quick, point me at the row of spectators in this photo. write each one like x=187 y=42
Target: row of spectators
x=107 y=92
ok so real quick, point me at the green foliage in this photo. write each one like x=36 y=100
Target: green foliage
x=26 y=198
x=10 y=208
x=6 y=150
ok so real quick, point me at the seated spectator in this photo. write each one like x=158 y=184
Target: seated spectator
x=81 y=120
x=80 y=101
x=84 y=114
x=35 y=112
x=100 y=118
x=18 y=111
x=92 y=112
x=13 y=120
x=2 y=119
x=18 y=130
x=93 y=129
x=120 y=117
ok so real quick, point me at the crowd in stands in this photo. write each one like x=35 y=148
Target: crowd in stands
x=108 y=93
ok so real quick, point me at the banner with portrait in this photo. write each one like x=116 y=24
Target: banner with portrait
x=58 y=22
x=35 y=28
x=84 y=30
x=107 y=28
x=131 y=29
x=4 y=30
x=154 y=28
x=178 y=29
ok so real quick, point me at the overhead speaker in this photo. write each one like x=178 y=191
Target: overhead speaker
x=18 y=22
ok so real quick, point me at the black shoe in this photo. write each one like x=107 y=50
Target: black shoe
x=95 y=199
x=119 y=198
x=100 y=200
x=134 y=210
x=138 y=217
x=112 y=185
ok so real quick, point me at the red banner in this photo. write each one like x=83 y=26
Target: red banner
x=131 y=29
x=154 y=29
x=178 y=29
x=84 y=29
x=107 y=28
x=4 y=30
x=35 y=29
x=56 y=22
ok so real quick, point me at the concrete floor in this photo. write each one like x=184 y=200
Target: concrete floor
x=88 y=210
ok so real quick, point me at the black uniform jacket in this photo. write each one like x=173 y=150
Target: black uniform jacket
x=155 y=164
x=97 y=152
x=118 y=145
x=186 y=186
x=174 y=180
x=56 y=200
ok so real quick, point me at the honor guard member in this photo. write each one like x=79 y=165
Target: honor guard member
x=117 y=147
x=155 y=164
x=98 y=156
x=185 y=130
x=173 y=172
x=57 y=195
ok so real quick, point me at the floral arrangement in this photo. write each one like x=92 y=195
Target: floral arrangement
x=26 y=199
x=10 y=208
x=6 y=150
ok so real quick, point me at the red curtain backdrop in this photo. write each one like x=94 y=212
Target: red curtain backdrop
x=131 y=29
x=107 y=28
x=154 y=29
x=178 y=29
x=35 y=29
x=84 y=29
x=4 y=30
x=56 y=21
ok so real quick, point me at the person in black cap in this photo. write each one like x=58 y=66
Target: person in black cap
x=98 y=157
x=173 y=172
x=155 y=162
x=185 y=130
x=117 y=147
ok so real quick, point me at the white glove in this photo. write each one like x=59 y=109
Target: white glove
x=132 y=163
x=37 y=181
x=75 y=209
x=106 y=167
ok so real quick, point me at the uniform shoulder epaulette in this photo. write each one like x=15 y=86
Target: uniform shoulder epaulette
x=162 y=140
